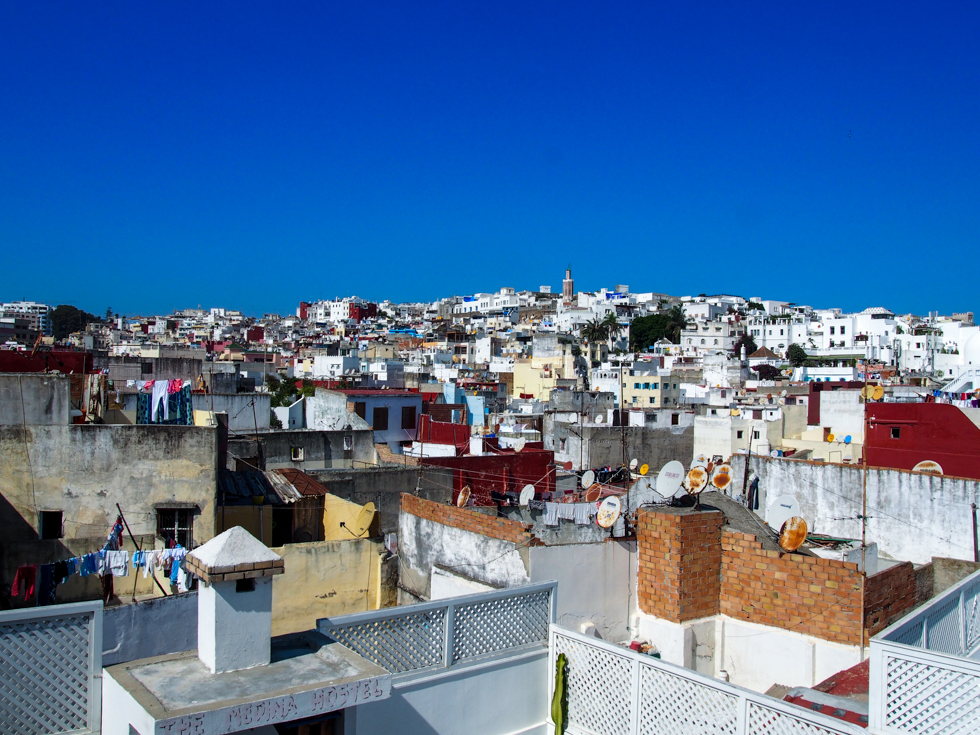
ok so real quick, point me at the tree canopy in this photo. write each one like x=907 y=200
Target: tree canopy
x=767 y=371
x=797 y=355
x=750 y=346
x=285 y=393
x=647 y=330
x=66 y=319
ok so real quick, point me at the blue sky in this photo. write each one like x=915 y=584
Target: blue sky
x=251 y=154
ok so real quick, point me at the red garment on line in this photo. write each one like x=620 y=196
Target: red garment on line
x=25 y=575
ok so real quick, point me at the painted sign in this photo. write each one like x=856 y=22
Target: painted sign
x=298 y=706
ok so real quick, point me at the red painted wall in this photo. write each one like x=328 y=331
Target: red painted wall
x=935 y=431
x=440 y=432
x=509 y=471
x=54 y=360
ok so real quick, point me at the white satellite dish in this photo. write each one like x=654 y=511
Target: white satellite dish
x=588 y=479
x=700 y=461
x=633 y=463
x=598 y=419
x=527 y=495
x=669 y=479
x=608 y=512
x=519 y=444
x=781 y=510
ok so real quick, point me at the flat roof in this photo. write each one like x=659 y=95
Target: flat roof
x=304 y=666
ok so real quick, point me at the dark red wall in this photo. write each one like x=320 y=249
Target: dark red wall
x=509 y=471
x=60 y=360
x=441 y=432
x=935 y=431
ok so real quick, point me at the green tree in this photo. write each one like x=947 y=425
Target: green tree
x=647 y=330
x=612 y=326
x=595 y=331
x=767 y=371
x=748 y=342
x=66 y=319
x=797 y=355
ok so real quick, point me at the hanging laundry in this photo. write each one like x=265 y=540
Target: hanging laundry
x=25 y=577
x=551 y=514
x=46 y=587
x=583 y=512
x=566 y=511
x=61 y=572
x=117 y=563
x=72 y=565
x=159 y=396
x=89 y=565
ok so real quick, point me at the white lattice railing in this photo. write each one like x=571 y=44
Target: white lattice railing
x=615 y=691
x=432 y=635
x=921 y=679
x=51 y=669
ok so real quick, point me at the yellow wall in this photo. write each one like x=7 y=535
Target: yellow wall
x=323 y=579
x=530 y=375
x=337 y=510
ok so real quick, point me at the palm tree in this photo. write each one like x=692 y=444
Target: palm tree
x=676 y=323
x=594 y=331
x=612 y=326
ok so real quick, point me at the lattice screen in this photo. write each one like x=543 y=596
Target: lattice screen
x=44 y=675
x=404 y=643
x=944 y=628
x=600 y=691
x=928 y=698
x=766 y=721
x=971 y=611
x=673 y=705
x=496 y=625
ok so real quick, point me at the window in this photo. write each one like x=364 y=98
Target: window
x=381 y=418
x=561 y=444
x=832 y=330
x=50 y=525
x=146 y=368
x=716 y=341
x=842 y=330
x=675 y=386
x=702 y=341
x=675 y=419
x=634 y=400
x=408 y=417
x=781 y=331
x=646 y=386
x=738 y=434
x=636 y=386
x=654 y=418
x=714 y=411
x=244 y=585
x=653 y=400
x=296 y=454
x=177 y=524
x=755 y=434
x=360 y=409
x=896 y=432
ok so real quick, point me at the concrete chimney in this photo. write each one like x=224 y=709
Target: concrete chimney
x=234 y=607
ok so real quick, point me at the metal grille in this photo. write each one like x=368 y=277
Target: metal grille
x=671 y=704
x=927 y=698
x=496 y=625
x=944 y=628
x=971 y=611
x=402 y=643
x=442 y=633
x=48 y=679
x=911 y=636
x=766 y=721
x=599 y=685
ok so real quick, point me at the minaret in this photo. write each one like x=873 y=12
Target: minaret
x=568 y=286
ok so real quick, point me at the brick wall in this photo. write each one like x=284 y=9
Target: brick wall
x=680 y=559
x=386 y=457
x=888 y=595
x=467 y=520
x=804 y=594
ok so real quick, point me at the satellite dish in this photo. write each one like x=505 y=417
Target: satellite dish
x=868 y=392
x=593 y=493
x=830 y=437
x=722 y=477
x=847 y=439
x=879 y=393
x=527 y=495
x=784 y=393
x=697 y=479
x=608 y=512
x=362 y=523
x=927 y=465
x=519 y=444
x=774 y=453
x=567 y=466
x=781 y=510
x=644 y=468
x=633 y=463
x=598 y=419
x=464 y=497
x=792 y=534
x=669 y=479
x=700 y=461
x=588 y=479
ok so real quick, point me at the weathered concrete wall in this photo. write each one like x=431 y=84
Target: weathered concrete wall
x=603 y=445
x=149 y=628
x=596 y=584
x=40 y=398
x=384 y=486
x=424 y=543
x=85 y=470
x=321 y=449
x=911 y=516
x=324 y=579
x=239 y=407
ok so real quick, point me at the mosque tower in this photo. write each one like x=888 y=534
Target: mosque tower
x=568 y=286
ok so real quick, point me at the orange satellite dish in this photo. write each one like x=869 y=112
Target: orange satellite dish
x=792 y=534
x=464 y=497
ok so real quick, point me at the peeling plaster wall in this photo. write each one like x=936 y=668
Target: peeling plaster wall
x=911 y=516
x=84 y=470
x=423 y=544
